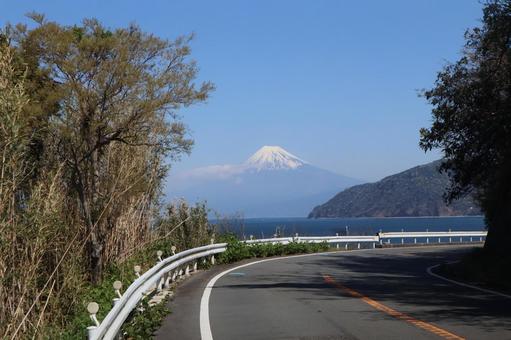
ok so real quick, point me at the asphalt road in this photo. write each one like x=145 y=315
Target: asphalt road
x=374 y=294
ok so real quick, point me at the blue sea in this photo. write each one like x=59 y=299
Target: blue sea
x=267 y=227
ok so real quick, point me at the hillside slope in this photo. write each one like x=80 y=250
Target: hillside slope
x=415 y=192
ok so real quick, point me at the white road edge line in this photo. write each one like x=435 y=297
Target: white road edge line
x=205 y=326
x=489 y=291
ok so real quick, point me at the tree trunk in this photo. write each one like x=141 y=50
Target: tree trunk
x=498 y=218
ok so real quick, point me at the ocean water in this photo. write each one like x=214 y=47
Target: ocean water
x=267 y=227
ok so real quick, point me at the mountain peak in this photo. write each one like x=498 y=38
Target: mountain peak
x=274 y=158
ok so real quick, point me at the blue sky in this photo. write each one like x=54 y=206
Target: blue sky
x=334 y=82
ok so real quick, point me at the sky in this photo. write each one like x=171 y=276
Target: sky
x=334 y=82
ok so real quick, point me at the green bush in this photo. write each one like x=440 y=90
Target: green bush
x=237 y=250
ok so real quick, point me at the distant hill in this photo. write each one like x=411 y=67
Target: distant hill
x=271 y=183
x=414 y=192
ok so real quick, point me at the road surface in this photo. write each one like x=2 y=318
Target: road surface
x=372 y=294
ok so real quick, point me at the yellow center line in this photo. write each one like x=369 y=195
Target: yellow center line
x=392 y=312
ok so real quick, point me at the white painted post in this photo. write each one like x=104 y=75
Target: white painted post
x=117 y=285
x=160 y=284
x=187 y=270
x=427 y=240
x=374 y=245
x=194 y=267
x=166 y=280
x=213 y=259
x=358 y=245
x=173 y=250
x=450 y=239
x=402 y=241
x=91 y=331
x=480 y=239
x=470 y=238
x=439 y=240
x=346 y=246
x=337 y=234
x=415 y=240
x=461 y=239
x=92 y=308
x=137 y=270
x=159 y=254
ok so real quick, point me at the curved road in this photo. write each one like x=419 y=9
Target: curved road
x=381 y=293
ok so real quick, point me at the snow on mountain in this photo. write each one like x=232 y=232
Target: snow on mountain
x=271 y=183
x=274 y=157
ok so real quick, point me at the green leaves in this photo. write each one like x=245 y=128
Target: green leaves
x=472 y=118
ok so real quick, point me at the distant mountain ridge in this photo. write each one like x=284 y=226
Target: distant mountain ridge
x=271 y=183
x=415 y=192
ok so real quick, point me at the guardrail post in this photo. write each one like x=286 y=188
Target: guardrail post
x=173 y=250
x=374 y=245
x=195 y=266
x=461 y=239
x=187 y=270
x=450 y=239
x=159 y=254
x=480 y=239
x=358 y=245
x=439 y=240
x=137 y=270
x=166 y=280
x=402 y=241
x=415 y=240
x=427 y=240
x=160 y=284
x=117 y=289
x=213 y=259
x=337 y=234
x=92 y=308
x=470 y=238
x=346 y=246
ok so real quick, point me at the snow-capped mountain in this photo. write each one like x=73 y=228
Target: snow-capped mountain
x=271 y=183
x=274 y=158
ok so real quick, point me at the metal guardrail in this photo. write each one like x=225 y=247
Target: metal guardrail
x=449 y=236
x=167 y=270
x=338 y=239
x=157 y=277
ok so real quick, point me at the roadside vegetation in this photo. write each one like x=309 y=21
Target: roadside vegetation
x=471 y=113
x=89 y=120
x=238 y=250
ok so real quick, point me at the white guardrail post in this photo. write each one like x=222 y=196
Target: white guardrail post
x=167 y=270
